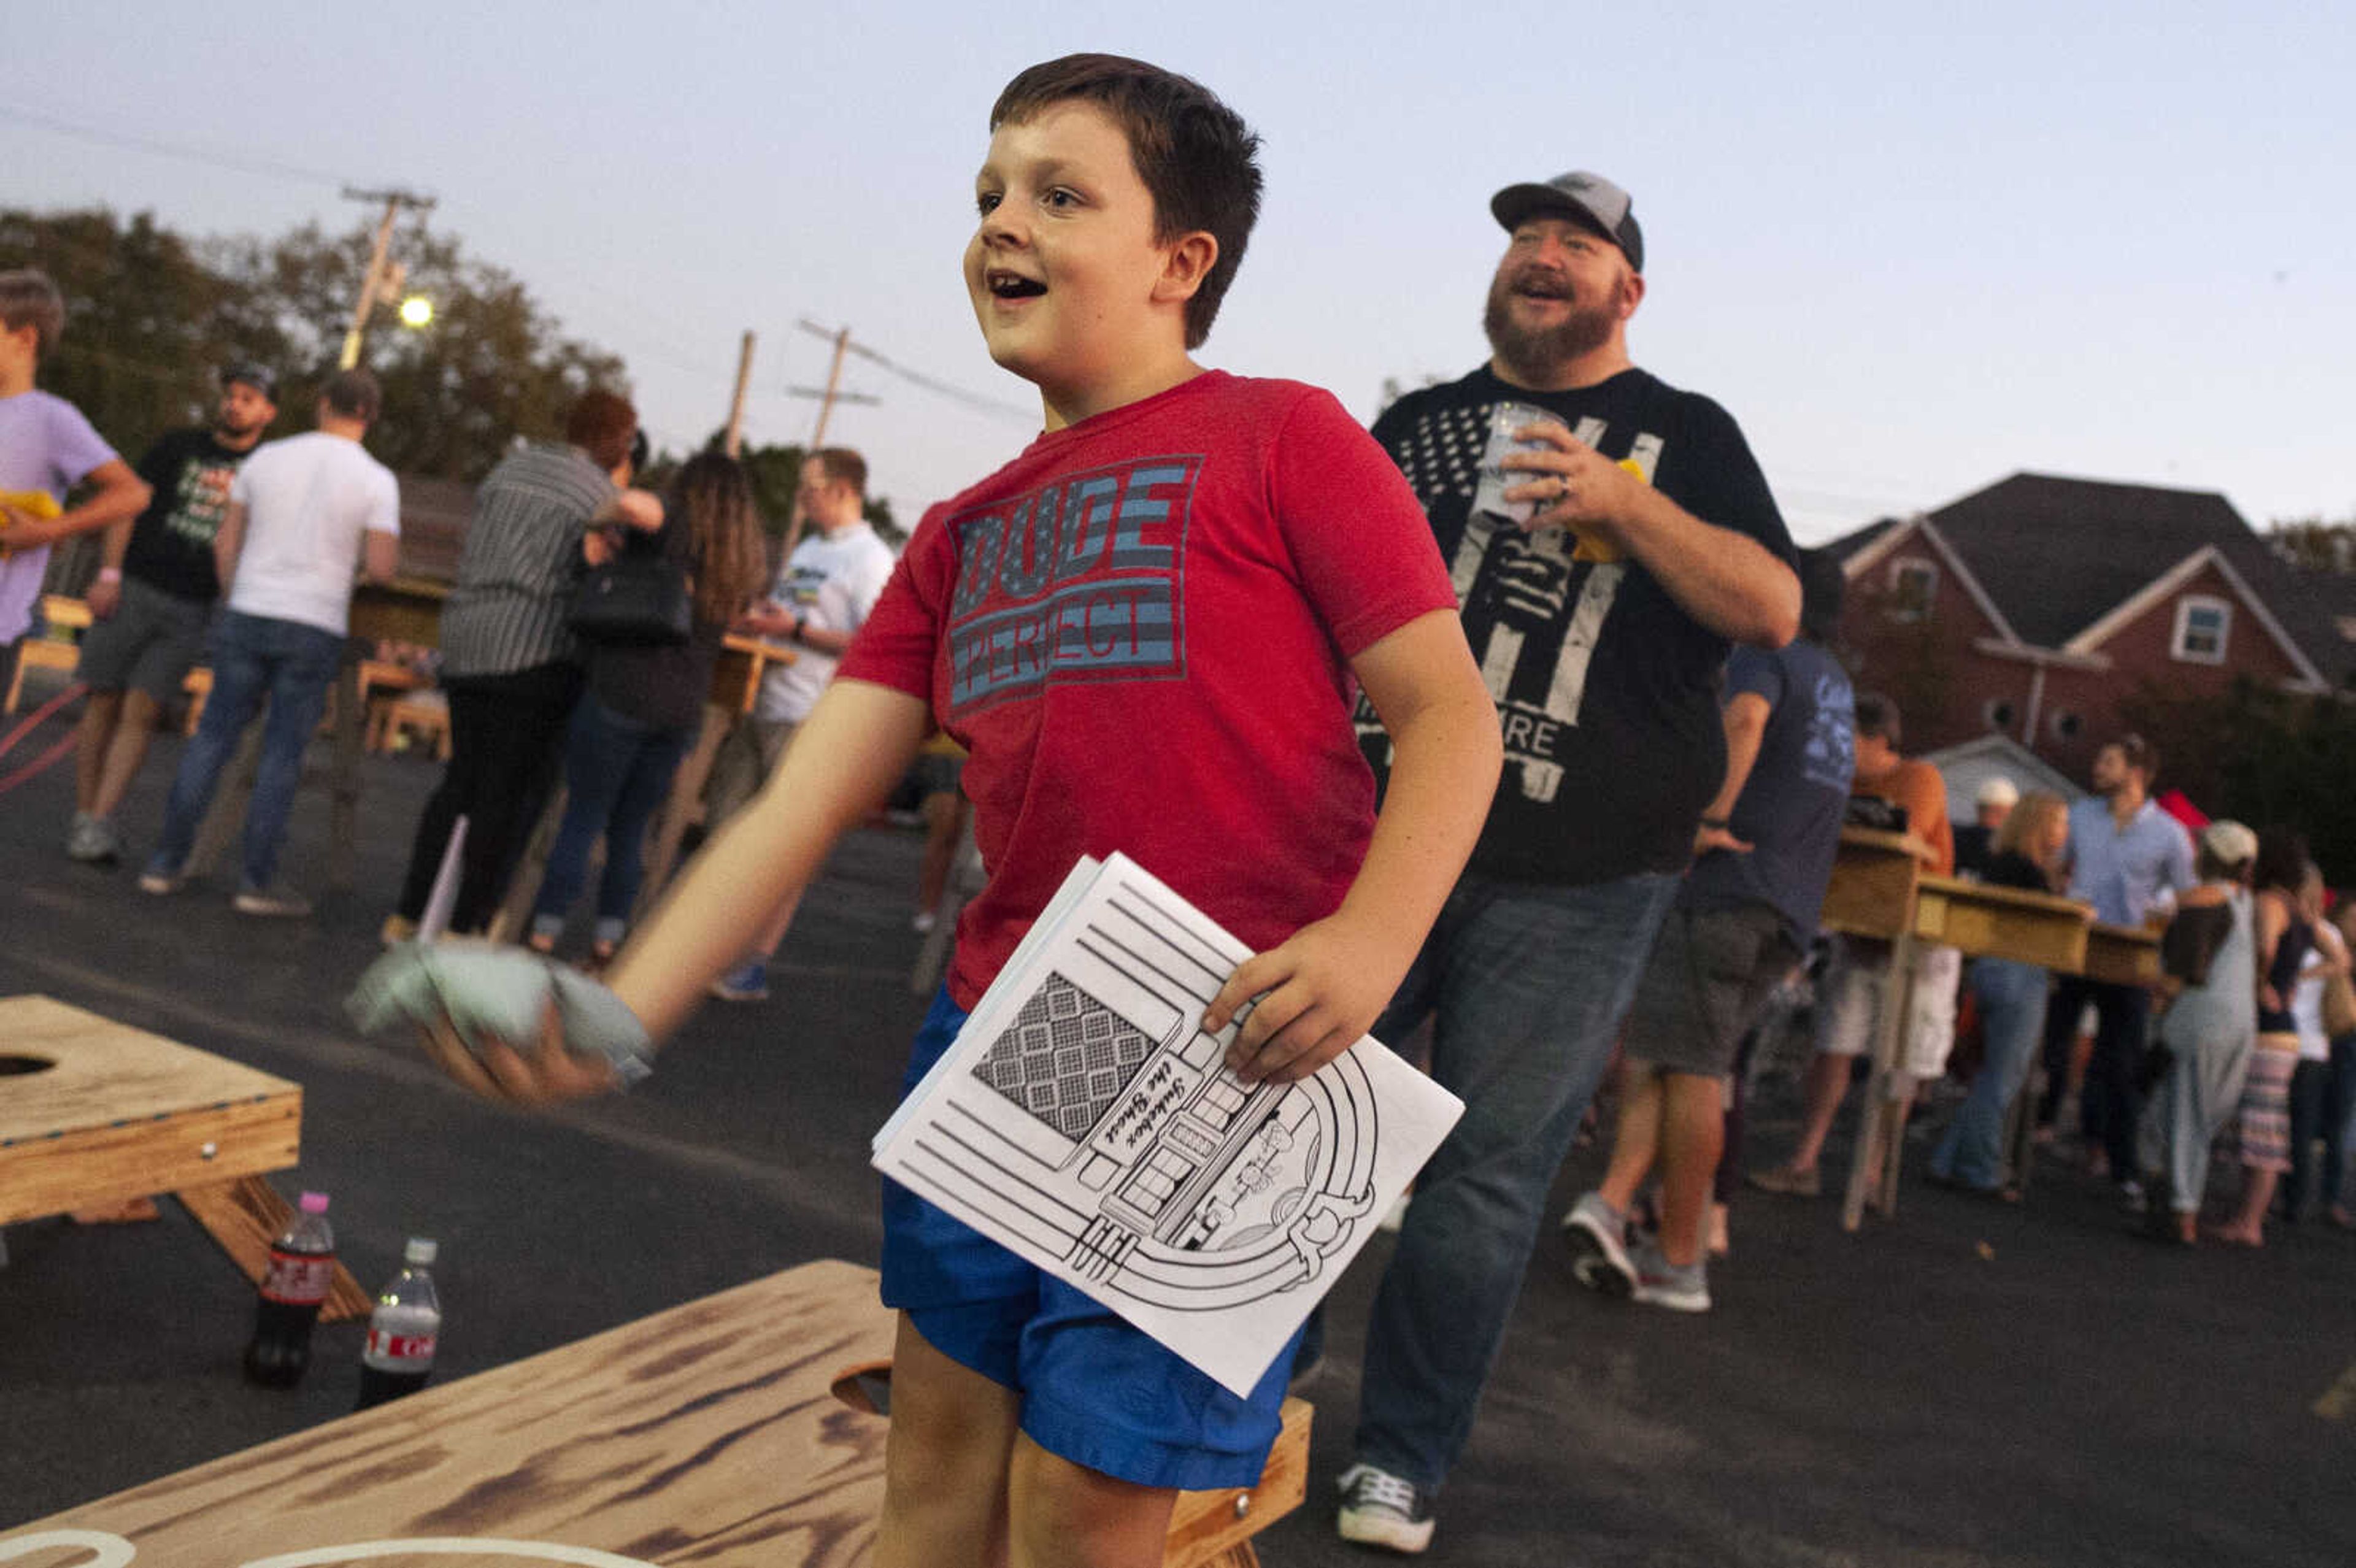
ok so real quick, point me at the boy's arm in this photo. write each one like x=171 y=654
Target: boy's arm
x=121 y=496
x=228 y=540
x=1323 y=987
x=857 y=743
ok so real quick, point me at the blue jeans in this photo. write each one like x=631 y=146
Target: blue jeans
x=2011 y=998
x=616 y=772
x=254 y=657
x=1529 y=983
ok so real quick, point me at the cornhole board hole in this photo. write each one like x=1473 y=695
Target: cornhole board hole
x=95 y=1113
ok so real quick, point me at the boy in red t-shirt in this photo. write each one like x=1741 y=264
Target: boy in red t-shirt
x=1147 y=631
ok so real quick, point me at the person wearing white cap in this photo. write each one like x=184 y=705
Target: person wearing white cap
x=2209 y=975
x=1991 y=804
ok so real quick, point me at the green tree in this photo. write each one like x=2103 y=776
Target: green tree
x=148 y=321
x=2315 y=543
x=2263 y=756
x=153 y=317
x=775 y=472
x=492 y=369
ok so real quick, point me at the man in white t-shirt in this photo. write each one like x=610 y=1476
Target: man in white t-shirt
x=821 y=598
x=305 y=514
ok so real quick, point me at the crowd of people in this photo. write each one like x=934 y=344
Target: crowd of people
x=1586 y=807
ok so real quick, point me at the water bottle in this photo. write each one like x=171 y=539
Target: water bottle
x=301 y=1265
x=399 y=1355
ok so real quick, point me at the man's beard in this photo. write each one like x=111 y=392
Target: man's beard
x=1542 y=350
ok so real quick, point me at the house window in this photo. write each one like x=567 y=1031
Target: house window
x=2202 y=625
x=1999 y=714
x=1912 y=582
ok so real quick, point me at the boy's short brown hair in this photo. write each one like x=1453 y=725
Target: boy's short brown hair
x=28 y=296
x=1195 y=154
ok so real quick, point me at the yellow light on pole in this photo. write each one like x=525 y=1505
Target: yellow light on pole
x=416 y=312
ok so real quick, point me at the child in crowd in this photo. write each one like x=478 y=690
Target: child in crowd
x=2209 y=980
x=1147 y=630
x=46 y=448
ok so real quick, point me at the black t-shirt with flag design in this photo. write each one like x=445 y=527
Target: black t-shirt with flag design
x=1607 y=691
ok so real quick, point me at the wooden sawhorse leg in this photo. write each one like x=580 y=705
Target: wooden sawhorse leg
x=245 y=1216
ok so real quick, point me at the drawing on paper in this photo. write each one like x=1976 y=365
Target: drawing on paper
x=1085 y=1120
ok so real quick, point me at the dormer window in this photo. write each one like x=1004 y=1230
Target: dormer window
x=1913 y=581
x=2201 y=626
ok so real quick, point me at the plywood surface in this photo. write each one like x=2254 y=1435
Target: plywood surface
x=106 y=1071
x=1872 y=889
x=119 y=1113
x=1986 y=921
x=704 y=1435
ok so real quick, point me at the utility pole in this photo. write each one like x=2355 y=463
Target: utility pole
x=377 y=281
x=736 y=440
x=826 y=402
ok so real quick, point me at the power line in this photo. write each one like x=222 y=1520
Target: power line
x=63 y=127
x=942 y=388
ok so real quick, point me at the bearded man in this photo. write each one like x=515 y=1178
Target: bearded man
x=1608 y=550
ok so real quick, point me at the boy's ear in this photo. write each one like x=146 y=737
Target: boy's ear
x=1185 y=266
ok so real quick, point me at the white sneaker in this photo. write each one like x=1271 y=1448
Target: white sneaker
x=1660 y=1282
x=1379 y=1509
x=276 y=901
x=1600 y=1232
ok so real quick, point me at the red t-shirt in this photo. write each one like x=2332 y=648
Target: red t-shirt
x=1139 y=629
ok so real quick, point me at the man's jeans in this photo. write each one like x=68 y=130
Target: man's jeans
x=1530 y=983
x=254 y=658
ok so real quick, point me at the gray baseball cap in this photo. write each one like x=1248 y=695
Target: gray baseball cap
x=1590 y=199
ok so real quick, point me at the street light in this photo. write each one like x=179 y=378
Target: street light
x=416 y=312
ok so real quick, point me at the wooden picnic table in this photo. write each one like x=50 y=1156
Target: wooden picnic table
x=95 y=1113
x=1879 y=891
x=705 y=1435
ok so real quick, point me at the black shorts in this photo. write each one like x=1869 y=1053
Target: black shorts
x=1710 y=972
x=149 y=644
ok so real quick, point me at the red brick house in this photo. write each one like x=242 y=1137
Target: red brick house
x=2035 y=607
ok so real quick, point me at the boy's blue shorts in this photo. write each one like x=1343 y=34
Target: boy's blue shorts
x=1095 y=1390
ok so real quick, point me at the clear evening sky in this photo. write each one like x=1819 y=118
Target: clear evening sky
x=1912 y=247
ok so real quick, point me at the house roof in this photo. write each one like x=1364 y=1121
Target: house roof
x=2058 y=555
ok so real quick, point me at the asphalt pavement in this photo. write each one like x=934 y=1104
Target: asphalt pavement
x=1965 y=1385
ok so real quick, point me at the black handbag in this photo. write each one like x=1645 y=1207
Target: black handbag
x=633 y=599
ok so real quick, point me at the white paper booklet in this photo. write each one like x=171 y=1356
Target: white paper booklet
x=1082 y=1119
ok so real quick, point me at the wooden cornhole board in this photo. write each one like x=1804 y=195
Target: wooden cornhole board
x=93 y=1112
x=701 y=1435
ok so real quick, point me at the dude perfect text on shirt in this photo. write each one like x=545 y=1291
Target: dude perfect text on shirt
x=1076 y=580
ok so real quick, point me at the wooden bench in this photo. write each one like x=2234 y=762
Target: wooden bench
x=95 y=1113
x=49 y=652
x=705 y=1435
x=423 y=714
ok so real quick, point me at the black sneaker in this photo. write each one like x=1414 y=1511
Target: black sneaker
x=1379 y=1509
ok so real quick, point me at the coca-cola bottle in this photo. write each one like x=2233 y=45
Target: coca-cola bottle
x=399 y=1355
x=301 y=1265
